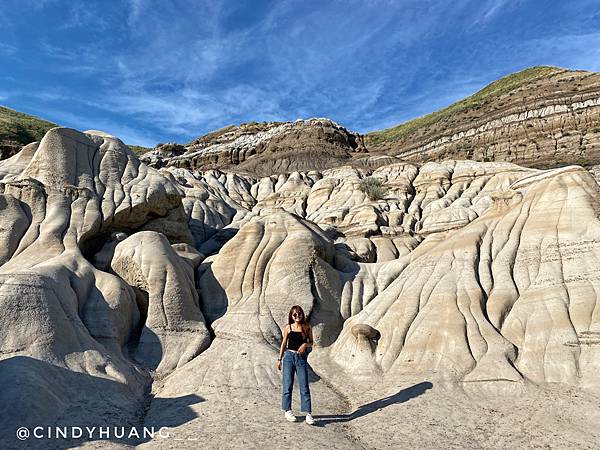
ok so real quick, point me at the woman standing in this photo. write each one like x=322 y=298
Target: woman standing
x=295 y=346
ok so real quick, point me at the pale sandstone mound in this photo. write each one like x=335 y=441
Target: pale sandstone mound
x=497 y=297
x=213 y=200
x=246 y=291
x=466 y=276
x=273 y=261
x=61 y=316
x=174 y=331
x=435 y=197
x=16 y=163
x=511 y=295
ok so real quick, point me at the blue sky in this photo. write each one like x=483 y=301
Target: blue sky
x=152 y=71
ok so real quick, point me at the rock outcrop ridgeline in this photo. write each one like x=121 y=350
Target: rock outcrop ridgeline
x=541 y=117
x=264 y=148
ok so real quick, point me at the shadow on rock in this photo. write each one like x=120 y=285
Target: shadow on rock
x=215 y=239
x=48 y=407
x=402 y=396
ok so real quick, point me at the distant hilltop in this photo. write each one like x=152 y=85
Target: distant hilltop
x=18 y=129
x=265 y=148
x=540 y=117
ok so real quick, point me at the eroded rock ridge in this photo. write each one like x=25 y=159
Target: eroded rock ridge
x=115 y=275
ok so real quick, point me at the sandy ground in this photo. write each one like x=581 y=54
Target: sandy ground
x=538 y=417
x=391 y=413
x=417 y=414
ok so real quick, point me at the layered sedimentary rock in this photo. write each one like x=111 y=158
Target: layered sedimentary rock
x=541 y=117
x=265 y=148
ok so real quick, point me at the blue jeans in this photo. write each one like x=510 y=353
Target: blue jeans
x=294 y=362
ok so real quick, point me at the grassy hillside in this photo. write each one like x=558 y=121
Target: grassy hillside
x=138 y=150
x=20 y=129
x=475 y=101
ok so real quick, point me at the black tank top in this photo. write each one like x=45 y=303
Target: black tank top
x=295 y=340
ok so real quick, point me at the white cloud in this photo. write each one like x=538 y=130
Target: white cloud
x=493 y=7
x=185 y=74
x=7 y=49
x=183 y=68
x=85 y=15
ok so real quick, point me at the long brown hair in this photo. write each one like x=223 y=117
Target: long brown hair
x=303 y=323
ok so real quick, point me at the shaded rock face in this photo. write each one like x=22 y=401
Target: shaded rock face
x=174 y=331
x=61 y=314
x=8 y=149
x=115 y=275
x=550 y=121
x=266 y=148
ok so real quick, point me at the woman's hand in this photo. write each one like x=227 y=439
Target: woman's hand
x=278 y=364
x=302 y=349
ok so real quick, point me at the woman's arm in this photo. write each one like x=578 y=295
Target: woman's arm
x=283 y=344
x=309 y=341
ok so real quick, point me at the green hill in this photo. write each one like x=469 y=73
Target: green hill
x=18 y=129
x=486 y=95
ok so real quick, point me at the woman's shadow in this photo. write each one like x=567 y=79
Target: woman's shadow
x=400 y=397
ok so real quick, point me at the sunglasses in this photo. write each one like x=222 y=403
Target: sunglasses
x=297 y=315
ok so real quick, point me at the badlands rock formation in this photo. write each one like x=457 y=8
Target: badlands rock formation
x=264 y=148
x=541 y=117
x=118 y=279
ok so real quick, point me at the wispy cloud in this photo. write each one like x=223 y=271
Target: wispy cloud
x=491 y=7
x=127 y=134
x=7 y=49
x=178 y=69
x=76 y=60
x=86 y=15
x=176 y=81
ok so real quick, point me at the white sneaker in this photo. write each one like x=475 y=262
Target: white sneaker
x=310 y=419
x=289 y=415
